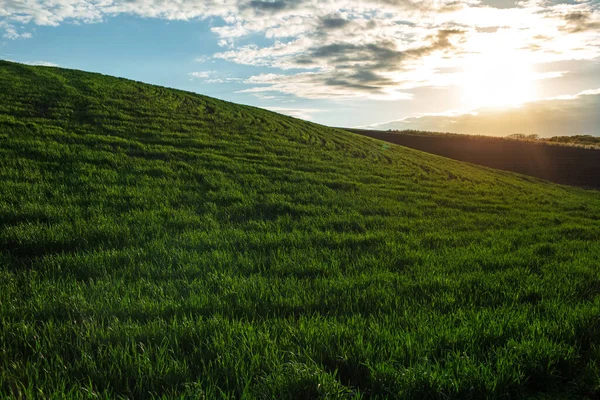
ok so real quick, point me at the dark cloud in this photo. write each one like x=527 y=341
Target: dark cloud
x=381 y=55
x=359 y=66
x=441 y=41
x=368 y=76
x=551 y=3
x=579 y=22
x=336 y=51
x=333 y=23
x=350 y=85
x=303 y=61
x=272 y=6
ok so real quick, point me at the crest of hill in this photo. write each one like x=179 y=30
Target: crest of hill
x=152 y=122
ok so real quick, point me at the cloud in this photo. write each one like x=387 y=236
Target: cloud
x=316 y=85
x=580 y=21
x=201 y=74
x=349 y=48
x=37 y=63
x=343 y=69
x=212 y=77
x=564 y=115
x=42 y=63
x=332 y=22
x=302 y=113
x=10 y=32
x=273 y=6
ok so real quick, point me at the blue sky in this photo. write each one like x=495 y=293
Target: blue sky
x=459 y=65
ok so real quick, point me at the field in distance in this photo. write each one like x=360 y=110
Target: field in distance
x=562 y=159
x=156 y=243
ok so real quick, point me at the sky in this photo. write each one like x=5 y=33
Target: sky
x=493 y=67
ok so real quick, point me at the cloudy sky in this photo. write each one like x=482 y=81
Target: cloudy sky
x=473 y=66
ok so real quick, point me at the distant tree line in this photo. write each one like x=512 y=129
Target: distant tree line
x=577 y=140
x=587 y=141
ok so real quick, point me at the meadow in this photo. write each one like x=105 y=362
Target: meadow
x=156 y=243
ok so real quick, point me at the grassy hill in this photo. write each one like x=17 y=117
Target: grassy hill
x=158 y=243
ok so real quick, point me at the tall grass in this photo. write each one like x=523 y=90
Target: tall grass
x=160 y=244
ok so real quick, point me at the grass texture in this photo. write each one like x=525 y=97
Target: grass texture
x=156 y=243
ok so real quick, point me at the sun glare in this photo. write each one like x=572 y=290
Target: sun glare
x=497 y=77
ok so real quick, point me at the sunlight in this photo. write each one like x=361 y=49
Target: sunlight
x=497 y=77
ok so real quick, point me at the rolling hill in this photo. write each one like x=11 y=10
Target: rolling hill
x=156 y=243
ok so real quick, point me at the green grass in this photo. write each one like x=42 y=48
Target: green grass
x=156 y=243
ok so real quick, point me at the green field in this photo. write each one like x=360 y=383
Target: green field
x=158 y=243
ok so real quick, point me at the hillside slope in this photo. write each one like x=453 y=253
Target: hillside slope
x=567 y=165
x=158 y=243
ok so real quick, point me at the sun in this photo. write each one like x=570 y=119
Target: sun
x=497 y=77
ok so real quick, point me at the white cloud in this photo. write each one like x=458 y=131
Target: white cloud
x=376 y=49
x=562 y=115
x=202 y=74
x=10 y=32
x=212 y=77
x=42 y=63
x=203 y=59
x=302 y=113
x=37 y=63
